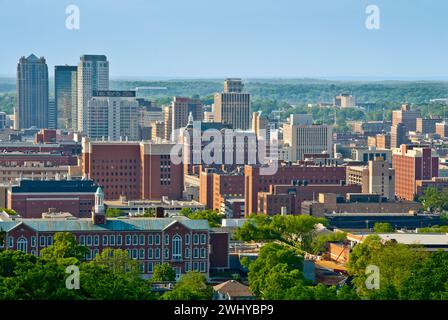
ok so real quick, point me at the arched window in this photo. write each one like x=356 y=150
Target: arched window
x=22 y=244
x=177 y=247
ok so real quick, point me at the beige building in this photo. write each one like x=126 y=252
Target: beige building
x=345 y=100
x=32 y=171
x=406 y=116
x=327 y=203
x=233 y=105
x=305 y=138
x=113 y=116
x=375 y=178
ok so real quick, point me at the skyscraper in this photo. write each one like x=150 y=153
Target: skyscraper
x=32 y=93
x=233 y=105
x=93 y=75
x=405 y=116
x=398 y=135
x=303 y=137
x=181 y=109
x=52 y=114
x=113 y=116
x=65 y=96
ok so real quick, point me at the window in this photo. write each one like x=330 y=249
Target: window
x=157 y=239
x=128 y=239
x=96 y=240
x=89 y=240
x=96 y=252
x=33 y=241
x=166 y=254
x=202 y=266
x=157 y=253
x=49 y=240
x=112 y=240
x=11 y=241
x=195 y=266
x=142 y=254
x=177 y=247
x=150 y=253
x=203 y=253
x=187 y=239
x=187 y=266
x=196 y=239
x=187 y=253
x=134 y=253
x=142 y=240
x=203 y=238
x=150 y=239
x=82 y=240
x=119 y=240
x=22 y=244
x=167 y=239
x=135 y=239
x=150 y=267
x=104 y=240
x=195 y=253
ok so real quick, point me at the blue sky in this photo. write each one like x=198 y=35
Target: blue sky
x=247 y=38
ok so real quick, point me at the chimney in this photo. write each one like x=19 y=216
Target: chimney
x=160 y=212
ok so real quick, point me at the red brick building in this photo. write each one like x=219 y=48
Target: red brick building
x=185 y=244
x=412 y=164
x=136 y=170
x=313 y=175
x=216 y=186
x=34 y=197
x=290 y=197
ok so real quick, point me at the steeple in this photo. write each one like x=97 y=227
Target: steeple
x=98 y=215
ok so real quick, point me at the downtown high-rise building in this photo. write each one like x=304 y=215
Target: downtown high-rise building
x=113 y=116
x=32 y=93
x=233 y=105
x=93 y=75
x=65 y=96
x=181 y=110
x=406 y=116
x=305 y=138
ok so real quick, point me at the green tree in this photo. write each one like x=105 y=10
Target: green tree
x=383 y=227
x=214 y=218
x=65 y=249
x=113 y=212
x=163 y=272
x=117 y=260
x=428 y=280
x=191 y=286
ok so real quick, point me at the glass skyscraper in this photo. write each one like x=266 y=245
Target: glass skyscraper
x=32 y=93
x=65 y=95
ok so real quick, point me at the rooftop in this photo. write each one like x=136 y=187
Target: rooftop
x=112 y=224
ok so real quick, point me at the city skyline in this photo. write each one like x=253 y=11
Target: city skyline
x=306 y=39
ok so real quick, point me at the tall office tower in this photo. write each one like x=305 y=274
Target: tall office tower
x=167 y=118
x=65 y=96
x=427 y=125
x=344 y=100
x=32 y=93
x=233 y=105
x=113 y=116
x=411 y=164
x=181 y=109
x=93 y=75
x=398 y=135
x=305 y=138
x=405 y=116
x=52 y=114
